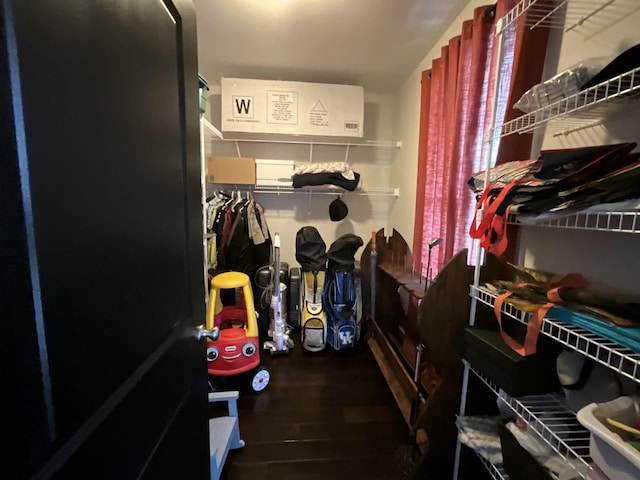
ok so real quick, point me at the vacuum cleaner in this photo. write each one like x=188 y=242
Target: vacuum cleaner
x=278 y=329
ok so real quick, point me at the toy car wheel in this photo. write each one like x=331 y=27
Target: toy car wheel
x=260 y=379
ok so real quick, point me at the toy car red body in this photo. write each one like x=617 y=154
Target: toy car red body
x=235 y=349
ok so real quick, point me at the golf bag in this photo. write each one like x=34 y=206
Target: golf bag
x=341 y=296
x=312 y=256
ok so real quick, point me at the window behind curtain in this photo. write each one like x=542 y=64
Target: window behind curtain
x=457 y=101
x=456 y=111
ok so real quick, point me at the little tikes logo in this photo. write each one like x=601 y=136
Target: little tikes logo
x=242 y=106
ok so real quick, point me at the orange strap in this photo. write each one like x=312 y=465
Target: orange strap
x=491 y=222
x=573 y=280
x=533 y=327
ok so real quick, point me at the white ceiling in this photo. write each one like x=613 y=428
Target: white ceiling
x=373 y=43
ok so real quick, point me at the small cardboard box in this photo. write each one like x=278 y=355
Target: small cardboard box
x=274 y=172
x=232 y=170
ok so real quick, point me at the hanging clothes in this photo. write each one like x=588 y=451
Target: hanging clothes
x=242 y=234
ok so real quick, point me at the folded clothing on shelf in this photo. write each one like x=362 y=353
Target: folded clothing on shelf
x=481 y=435
x=334 y=173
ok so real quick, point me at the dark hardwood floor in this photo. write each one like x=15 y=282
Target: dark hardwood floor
x=323 y=416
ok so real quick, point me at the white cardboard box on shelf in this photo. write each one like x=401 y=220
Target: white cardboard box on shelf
x=274 y=172
x=298 y=108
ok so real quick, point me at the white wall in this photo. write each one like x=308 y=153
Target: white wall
x=406 y=128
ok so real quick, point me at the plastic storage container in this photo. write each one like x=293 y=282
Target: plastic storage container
x=615 y=457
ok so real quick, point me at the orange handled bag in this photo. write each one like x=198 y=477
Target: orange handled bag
x=545 y=286
x=518 y=182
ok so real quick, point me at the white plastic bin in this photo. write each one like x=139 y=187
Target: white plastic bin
x=615 y=457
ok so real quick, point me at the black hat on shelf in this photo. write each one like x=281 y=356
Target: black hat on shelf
x=338 y=210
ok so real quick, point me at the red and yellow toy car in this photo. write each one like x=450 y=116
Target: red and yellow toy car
x=235 y=347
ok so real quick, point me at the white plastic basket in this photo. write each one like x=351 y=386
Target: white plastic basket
x=615 y=457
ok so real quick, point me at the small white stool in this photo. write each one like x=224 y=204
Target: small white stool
x=224 y=432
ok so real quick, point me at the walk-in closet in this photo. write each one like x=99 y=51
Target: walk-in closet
x=313 y=239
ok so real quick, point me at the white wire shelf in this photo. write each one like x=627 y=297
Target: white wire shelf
x=314 y=190
x=496 y=471
x=558 y=14
x=608 y=353
x=581 y=110
x=209 y=131
x=213 y=134
x=366 y=143
x=624 y=222
x=551 y=420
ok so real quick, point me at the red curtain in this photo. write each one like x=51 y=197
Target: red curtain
x=450 y=138
x=456 y=103
x=525 y=51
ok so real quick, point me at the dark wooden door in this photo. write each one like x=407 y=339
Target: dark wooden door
x=101 y=241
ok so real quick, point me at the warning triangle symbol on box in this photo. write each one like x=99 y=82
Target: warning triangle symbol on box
x=319 y=107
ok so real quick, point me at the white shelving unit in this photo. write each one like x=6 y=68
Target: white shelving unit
x=211 y=135
x=603 y=351
x=583 y=109
x=622 y=222
x=207 y=133
x=496 y=471
x=311 y=143
x=560 y=14
x=317 y=190
x=556 y=424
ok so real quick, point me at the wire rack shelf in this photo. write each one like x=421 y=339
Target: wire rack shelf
x=308 y=190
x=496 y=471
x=580 y=110
x=623 y=221
x=551 y=420
x=608 y=353
x=557 y=14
